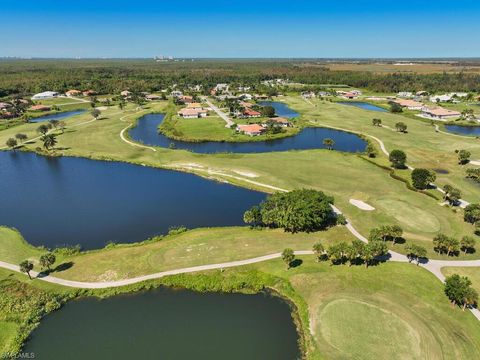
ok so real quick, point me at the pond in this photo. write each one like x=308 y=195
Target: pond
x=147 y=132
x=281 y=109
x=463 y=130
x=168 y=324
x=56 y=201
x=363 y=105
x=57 y=116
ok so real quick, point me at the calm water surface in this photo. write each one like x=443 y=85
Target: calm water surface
x=67 y=201
x=281 y=109
x=464 y=130
x=146 y=132
x=167 y=324
x=363 y=105
x=57 y=116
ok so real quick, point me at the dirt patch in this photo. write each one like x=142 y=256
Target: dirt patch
x=361 y=205
x=441 y=171
x=246 y=173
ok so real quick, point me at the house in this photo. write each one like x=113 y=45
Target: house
x=221 y=87
x=246 y=104
x=440 y=98
x=252 y=129
x=71 y=93
x=89 y=93
x=176 y=93
x=410 y=104
x=194 y=105
x=405 y=94
x=323 y=94
x=187 y=99
x=440 y=113
x=40 y=108
x=245 y=97
x=192 y=113
x=45 y=95
x=261 y=97
x=280 y=121
x=421 y=93
x=152 y=97
x=126 y=93
x=348 y=94
x=308 y=94
x=251 y=113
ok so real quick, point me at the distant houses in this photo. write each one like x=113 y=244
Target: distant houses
x=409 y=104
x=45 y=95
x=349 y=95
x=187 y=113
x=251 y=129
x=281 y=121
x=73 y=92
x=440 y=113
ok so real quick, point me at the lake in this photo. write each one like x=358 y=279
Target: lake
x=168 y=324
x=281 y=109
x=147 y=132
x=463 y=130
x=56 y=201
x=363 y=105
x=57 y=116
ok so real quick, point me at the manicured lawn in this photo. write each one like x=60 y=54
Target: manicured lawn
x=391 y=311
x=473 y=273
x=424 y=147
x=192 y=248
x=345 y=176
x=212 y=127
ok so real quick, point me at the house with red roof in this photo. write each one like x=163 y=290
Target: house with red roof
x=250 y=113
x=40 y=108
x=251 y=129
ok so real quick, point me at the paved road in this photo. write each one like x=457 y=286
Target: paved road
x=219 y=113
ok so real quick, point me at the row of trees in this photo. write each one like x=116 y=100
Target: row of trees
x=386 y=233
x=448 y=245
x=46 y=261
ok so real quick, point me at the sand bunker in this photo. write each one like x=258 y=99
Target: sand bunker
x=361 y=205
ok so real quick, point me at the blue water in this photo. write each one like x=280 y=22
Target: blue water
x=146 y=132
x=363 y=105
x=57 y=116
x=464 y=130
x=281 y=109
x=66 y=201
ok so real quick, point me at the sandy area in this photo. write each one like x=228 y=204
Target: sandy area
x=361 y=205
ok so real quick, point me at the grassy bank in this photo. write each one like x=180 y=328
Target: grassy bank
x=388 y=311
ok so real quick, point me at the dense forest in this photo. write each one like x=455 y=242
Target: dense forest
x=111 y=76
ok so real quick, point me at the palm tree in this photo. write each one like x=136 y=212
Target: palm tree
x=47 y=260
x=288 y=256
x=49 y=141
x=329 y=143
x=319 y=250
x=26 y=266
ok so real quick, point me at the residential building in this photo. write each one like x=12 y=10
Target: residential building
x=348 y=94
x=252 y=129
x=440 y=113
x=192 y=113
x=45 y=95
x=176 y=93
x=440 y=98
x=410 y=104
x=71 y=93
x=152 y=97
x=194 y=105
x=251 y=113
x=405 y=94
x=308 y=94
x=4 y=106
x=126 y=93
x=245 y=97
x=89 y=93
x=280 y=121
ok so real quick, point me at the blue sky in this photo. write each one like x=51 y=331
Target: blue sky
x=262 y=28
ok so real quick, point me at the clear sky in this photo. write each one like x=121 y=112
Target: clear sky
x=245 y=28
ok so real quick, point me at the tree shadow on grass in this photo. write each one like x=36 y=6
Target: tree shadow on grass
x=59 y=268
x=296 y=263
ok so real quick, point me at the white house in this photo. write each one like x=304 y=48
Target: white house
x=192 y=113
x=410 y=104
x=45 y=95
x=245 y=97
x=405 y=94
x=440 y=98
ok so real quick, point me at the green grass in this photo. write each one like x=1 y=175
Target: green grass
x=391 y=311
x=473 y=273
x=342 y=175
x=14 y=249
x=192 y=248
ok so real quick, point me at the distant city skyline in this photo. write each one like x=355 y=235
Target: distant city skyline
x=250 y=29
